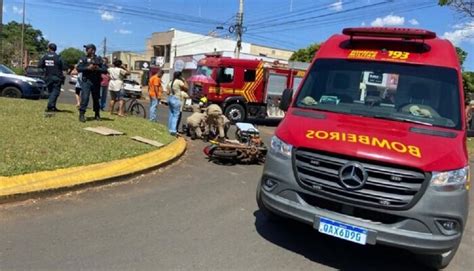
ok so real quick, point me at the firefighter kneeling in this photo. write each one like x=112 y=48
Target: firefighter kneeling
x=216 y=121
x=196 y=122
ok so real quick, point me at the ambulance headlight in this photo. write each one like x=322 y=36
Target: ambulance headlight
x=280 y=148
x=451 y=180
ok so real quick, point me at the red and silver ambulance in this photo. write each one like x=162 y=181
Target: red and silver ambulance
x=373 y=145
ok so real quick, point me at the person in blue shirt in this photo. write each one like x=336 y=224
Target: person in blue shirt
x=91 y=66
x=52 y=65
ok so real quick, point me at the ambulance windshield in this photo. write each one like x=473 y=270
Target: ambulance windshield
x=400 y=92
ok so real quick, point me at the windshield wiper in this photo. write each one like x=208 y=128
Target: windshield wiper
x=402 y=119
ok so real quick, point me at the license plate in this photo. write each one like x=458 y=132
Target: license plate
x=343 y=231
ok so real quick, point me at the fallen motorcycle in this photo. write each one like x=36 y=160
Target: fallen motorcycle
x=247 y=149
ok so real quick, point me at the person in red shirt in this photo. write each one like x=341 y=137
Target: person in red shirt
x=104 y=86
x=155 y=90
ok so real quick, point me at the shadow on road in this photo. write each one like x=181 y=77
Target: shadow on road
x=339 y=254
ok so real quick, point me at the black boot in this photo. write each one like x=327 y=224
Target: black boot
x=82 y=118
x=97 y=116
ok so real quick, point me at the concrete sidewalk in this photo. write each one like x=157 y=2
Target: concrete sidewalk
x=14 y=187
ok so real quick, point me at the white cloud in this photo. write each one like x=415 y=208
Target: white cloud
x=106 y=15
x=126 y=23
x=389 y=20
x=362 y=24
x=462 y=33
x=17 y=10
x=337 y=6
x=124 y=31
x=413 y=22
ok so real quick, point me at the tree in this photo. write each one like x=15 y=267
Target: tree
x=35 y=43
x=468 y=81
x=71 y=56
x=465 y=7
x=305 y=54
x=461 y=55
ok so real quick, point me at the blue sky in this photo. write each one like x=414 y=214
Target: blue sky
x=289 y=24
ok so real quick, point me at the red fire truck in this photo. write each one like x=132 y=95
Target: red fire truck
x=244 y=88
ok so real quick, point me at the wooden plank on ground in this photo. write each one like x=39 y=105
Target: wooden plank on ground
x=103 y=131
x=148 y=141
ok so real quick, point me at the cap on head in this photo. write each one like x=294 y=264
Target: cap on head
x=89 y=46
x=52 y=47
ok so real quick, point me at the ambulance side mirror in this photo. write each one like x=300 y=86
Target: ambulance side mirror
x=286 y=99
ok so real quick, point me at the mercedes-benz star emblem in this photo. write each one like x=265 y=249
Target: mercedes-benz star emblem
x=352 y=176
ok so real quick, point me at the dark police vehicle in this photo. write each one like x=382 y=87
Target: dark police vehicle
x=18 y=86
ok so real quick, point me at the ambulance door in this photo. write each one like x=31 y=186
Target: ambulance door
x=276 y=84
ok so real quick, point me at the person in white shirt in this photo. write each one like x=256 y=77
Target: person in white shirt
x=117 y=74
x=177 y=92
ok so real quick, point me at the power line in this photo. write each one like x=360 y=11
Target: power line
x=134 y=10
x=278 y=17
x=323 y=15
x=403 y=9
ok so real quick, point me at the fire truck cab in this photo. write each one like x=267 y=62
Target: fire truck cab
x=244 y=88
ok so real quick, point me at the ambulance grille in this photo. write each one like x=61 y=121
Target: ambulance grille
x=387 y=186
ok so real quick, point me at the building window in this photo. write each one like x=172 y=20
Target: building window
x=159 y=50
x=163 y=51
x=249 y=75
x=168 y=53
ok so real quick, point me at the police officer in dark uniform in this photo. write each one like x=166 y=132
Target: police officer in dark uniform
x=52 y=64
x=91 y=67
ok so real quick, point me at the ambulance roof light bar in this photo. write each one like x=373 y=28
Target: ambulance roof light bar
x=389 y=32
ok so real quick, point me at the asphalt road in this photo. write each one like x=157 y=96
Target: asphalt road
x=192 y=215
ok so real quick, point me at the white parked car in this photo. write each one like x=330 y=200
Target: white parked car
x=132 y=87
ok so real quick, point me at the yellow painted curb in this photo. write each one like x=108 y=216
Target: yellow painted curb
x=68 y=177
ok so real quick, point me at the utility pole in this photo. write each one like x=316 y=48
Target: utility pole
x=22 y=46
x=239 y=27
x=105 y=47
x=1 y=31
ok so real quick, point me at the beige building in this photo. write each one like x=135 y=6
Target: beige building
x=261 y=50
x=135 y=63
x=163 y=47
x=130 y=59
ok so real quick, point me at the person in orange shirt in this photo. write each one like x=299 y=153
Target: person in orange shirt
x=155 y=91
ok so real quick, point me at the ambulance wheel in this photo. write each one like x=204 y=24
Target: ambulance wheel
x=235 y=113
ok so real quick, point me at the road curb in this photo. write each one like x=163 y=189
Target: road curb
x=21 y=186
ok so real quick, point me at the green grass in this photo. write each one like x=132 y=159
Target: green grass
x=470 y=146
x=31 y=142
